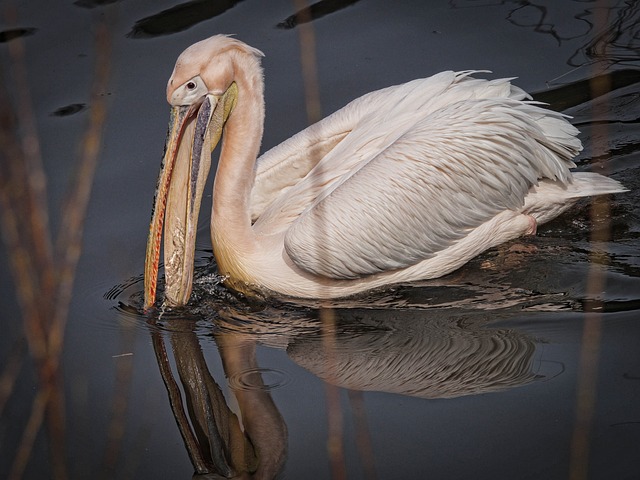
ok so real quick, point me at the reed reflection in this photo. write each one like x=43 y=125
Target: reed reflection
x=608 y=29
x=416 y=353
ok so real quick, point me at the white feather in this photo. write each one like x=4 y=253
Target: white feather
x=405 y=183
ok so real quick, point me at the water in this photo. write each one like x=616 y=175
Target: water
x=476 y=375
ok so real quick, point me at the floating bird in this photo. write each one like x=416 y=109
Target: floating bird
x=405 y=183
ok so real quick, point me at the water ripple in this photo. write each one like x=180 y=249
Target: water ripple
x=260 y=378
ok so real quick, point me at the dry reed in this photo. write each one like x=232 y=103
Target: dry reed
x=43 y=265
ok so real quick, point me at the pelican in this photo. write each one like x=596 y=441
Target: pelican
x=405 y=183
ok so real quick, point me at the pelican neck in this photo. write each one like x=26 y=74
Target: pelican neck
x=231 y=221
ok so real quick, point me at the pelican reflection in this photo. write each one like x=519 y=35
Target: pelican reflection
x=217 y=440
x=407 y=352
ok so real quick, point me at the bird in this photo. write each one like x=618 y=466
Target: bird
x=405 y=183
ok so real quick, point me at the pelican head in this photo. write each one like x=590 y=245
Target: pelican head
x=202 y=93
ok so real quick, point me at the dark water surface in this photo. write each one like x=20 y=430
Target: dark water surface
x=481 y=374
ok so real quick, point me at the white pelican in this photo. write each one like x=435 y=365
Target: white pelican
x=405 y=183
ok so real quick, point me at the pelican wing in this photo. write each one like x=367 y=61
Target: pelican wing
x=467 y=156
x=286 y=165
x=292 y=163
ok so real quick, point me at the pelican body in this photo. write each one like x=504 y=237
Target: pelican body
x=405 y=183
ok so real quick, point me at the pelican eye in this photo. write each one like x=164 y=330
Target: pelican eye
x=188 y=92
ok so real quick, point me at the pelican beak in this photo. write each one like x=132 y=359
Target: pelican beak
x=194 y=131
